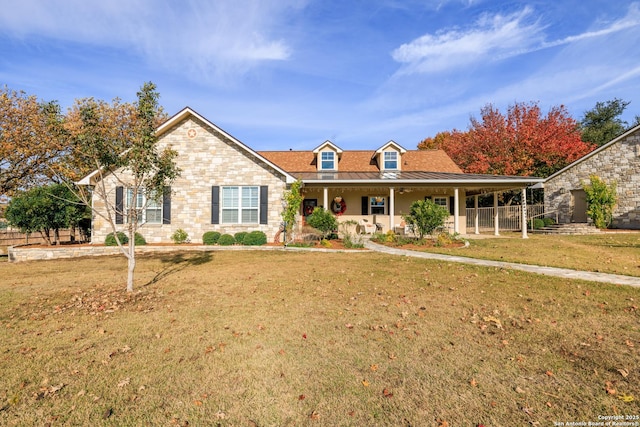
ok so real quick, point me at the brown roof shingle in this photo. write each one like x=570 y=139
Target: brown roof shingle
x=364 y=161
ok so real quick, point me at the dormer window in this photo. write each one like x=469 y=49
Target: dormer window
x=327 y=160
x=390 y=160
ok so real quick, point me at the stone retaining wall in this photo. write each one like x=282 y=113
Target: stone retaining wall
x=25 y=253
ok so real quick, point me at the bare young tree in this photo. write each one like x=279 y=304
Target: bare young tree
x=127 y=161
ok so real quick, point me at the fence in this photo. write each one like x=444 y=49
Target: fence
x=509 y=217
x=10 y=238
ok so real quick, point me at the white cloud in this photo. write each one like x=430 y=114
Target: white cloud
x=212 y=38
x=493 y=37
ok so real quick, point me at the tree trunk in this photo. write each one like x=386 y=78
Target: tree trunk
x=131 y=264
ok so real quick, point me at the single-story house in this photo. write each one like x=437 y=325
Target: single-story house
x=616 y=161
x=228 y=187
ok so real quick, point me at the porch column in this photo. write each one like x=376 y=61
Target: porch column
x=524 y=213
x=456 y=214
x=392 y=208
x=496 y=222
x=326 y=198
x=476 y=216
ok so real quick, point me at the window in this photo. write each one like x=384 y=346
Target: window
x=147 y=209
x=440 y=201
x=327 y=160
x=240 y=205
x=377 y=205
x=391 y=160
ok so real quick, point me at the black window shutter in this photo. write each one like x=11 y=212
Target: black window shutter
x=365 y=205
x=119 y=204
x=264 y=204
x=166 y=205
x=452 y=205
x=215 y=204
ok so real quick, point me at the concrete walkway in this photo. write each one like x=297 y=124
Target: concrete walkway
x=547 y=271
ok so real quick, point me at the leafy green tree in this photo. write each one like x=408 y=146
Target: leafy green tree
x=425 y=216
x=46 y=209
x=602 y=123
x=141 y=167
x=601 y=200
x=323 y=220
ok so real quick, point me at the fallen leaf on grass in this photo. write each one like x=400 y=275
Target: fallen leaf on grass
x=314 y=415
x=197 y=402
x=627 y=398
x=365 y=383
x=124 y=382
x=107 y=413
x=623 y=372
x=628 y=343
x=608 y=386
x=442 y=423
x=304 y=336
x=348 y=326
x=387 y=393
x=549 y=373
x=374 y=367
x=473 y=382
x=302 y=397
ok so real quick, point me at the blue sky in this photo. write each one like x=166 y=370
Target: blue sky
x=281 y=74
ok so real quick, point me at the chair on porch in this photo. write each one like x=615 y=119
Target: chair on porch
x=366 y=227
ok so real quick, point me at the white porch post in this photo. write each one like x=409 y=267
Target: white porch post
x=456 y=214
x=524 y=213
x=476 y=216
x=496 y=222
x=392 y=208
x=326 y=198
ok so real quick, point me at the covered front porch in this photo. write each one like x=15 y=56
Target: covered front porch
x=384 y=200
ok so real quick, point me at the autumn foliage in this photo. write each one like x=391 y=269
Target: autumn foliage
x=523 y=142
x=31 y=138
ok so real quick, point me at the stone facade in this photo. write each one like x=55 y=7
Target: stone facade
x=207 y=157
x=617 y=161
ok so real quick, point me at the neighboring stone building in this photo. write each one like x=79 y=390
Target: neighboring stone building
x=617 y=161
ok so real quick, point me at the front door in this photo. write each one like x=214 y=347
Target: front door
x=579 y=199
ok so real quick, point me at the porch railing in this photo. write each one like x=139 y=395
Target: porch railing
x=509 y=217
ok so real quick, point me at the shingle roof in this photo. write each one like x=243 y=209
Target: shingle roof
x=363 y=161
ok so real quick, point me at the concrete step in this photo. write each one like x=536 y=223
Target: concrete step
x=567 y=229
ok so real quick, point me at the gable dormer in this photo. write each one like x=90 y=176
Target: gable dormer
x=388 y=156
x=327 y=156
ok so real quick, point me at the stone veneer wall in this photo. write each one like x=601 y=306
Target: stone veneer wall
x=620 y=163
x=207 y=159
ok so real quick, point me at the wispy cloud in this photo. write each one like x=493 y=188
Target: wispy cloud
x=213 y=38
x=492 y=37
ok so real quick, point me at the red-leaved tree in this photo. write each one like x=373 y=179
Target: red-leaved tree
x=522 y=142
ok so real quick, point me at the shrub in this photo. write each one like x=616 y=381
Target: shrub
x=255 y=238
x=601 y=200
x=538 y=223
x=210 y=237
x=110 y=240
x=323 y=220
x=180 y=236
x=139 y=239
x=548 y=221
x=425 y=216
x=239 y=236
x=325 y=243
x=226 y=240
